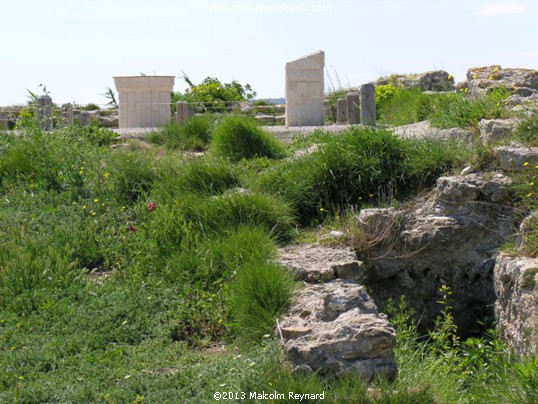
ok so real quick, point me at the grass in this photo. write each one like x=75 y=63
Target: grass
x=401 y=106
x=194 y=134
x=236 y=138
x=138 y=274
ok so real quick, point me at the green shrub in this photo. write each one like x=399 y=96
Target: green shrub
x=383 y=94
x=234 y=209
x=261 y=293
x=133 y=176
x=402 y=106
x=359 y=167
x=461 y=110
x=527 y=131
x=237 y=138
x=203 y=176
x=194 y=134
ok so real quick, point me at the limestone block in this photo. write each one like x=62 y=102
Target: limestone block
x=304 y=90
x=144 y=101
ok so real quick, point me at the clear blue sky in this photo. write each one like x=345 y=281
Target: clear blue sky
x=75 y=47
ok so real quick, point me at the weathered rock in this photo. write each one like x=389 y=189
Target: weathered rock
x=423 y=130
x=438 y=80
x=449 y=239
x=494 y=130
x=516 y=307
x=316 y=263
x=518 y=81
x=334 y=329
x=516 y=158
x=468 y=170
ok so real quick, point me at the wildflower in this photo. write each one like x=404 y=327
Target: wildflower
x=96 y=200
x=529 y=195
x=321 y=209
x=106 y=175
x=152 y=206
x=84 y=207
x=92 y=213
x=74 y=203
x=490 y=78
x=122 y=208
x=450 y=77
x=531 y=184
x=526 y=163
x=371 y=195
x=132 y=228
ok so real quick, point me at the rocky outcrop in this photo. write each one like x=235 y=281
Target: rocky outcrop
x=521 y=82
x=516 y=280
x=334 y=327
x=437 y=80
x=450 y=239
x=514 y=158
x=494 y=130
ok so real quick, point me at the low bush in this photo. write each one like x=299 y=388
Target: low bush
x=194 y=134
x=402 y=106
x=357 y=168
x=237 y=138
x=262 y=292
x=462 y=110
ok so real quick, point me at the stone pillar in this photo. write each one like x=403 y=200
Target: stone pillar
x=4 y=124
x=341 y=111
x=182 y=111
x=67 y=114
x=353 y=110
x=304 y=90
x=84 y=119
x=368 y=104
x=144 y=101
x=44 y=113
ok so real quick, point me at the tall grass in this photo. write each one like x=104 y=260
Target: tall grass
x=357 y=168
x=194 y=134
x=237 y=138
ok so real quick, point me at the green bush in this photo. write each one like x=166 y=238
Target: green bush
x=359 y=167
x=402 y=106
x=203 y=176
x=461 y=110
x=234 y=209
x=193 y=134
x=261 y=293
x=527 y=131
x=133 y=176
x=237 y=138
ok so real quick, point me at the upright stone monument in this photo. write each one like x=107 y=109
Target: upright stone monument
x=304 y=90
x=368 y=105
x=353 y=102
x=67 y=114
x=144 y=101
x=4 y=122
x=84 y=119
x=341 y=111
x=44 y=112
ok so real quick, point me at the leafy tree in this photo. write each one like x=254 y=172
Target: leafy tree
x=215 y=95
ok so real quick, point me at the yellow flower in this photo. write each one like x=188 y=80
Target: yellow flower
x=371 y=195
x=106 y=175
x=529 y=195
x=321 y=209
x=450 y=77
x=490 y=78
x=96 y=200
x=122 y=208
x=84 y=207
x=531 y=184
x=92 y=213
x=526 y=163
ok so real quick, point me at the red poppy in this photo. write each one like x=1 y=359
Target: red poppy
x=132 y=228
x=152 y=206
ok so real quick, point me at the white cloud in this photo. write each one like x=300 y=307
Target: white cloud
x=497 y=8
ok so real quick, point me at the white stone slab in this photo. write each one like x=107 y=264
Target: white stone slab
x=304 y=90
x=144 y=101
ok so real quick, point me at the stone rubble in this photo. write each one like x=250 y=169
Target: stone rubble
x=334 y=327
